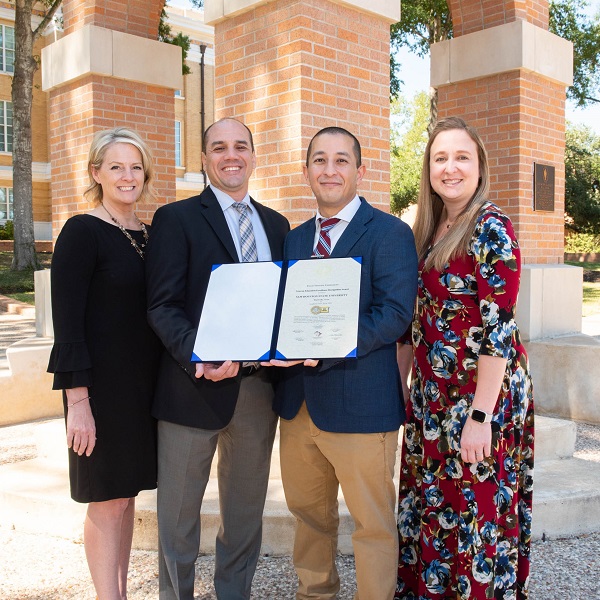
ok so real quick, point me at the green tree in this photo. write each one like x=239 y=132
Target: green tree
x=582 y=179
x=425 y=22
x=165 y=34
x=568 y=20
x=408 y=138
x=25 y=66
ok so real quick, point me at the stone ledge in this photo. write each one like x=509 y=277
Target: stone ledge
x=34 y=497
x=16 y=307
x=508 y=47
x=94 y=50
x=565 y=377
x=40 y=246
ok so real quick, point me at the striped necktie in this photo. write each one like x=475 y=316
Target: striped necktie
x=323 y=249
x=247 y=241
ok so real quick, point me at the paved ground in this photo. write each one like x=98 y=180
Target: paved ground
x=12 y=329
x=39 y=567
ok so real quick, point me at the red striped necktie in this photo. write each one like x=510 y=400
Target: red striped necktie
x=323 y=249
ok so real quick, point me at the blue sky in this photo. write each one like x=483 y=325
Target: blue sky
x=415 y=74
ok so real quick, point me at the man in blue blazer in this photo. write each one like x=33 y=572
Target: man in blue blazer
x=340 y=418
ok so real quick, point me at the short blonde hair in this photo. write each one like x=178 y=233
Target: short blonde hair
x=102 y=141
x=430 y=206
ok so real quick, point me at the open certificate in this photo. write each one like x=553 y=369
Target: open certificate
x=286 y=310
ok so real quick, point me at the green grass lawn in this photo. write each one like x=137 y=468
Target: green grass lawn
x=19 y=284
x=591 y=290
x=591 y=299
x=590 y=266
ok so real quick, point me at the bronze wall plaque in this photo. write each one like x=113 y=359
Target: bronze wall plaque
x=543 y=187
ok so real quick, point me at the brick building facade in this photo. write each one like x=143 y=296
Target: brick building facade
x=186 y=130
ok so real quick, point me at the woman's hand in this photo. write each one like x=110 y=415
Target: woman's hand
x=475 y=441
x=81 y=427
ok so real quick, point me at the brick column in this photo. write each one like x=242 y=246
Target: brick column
x=100 y=76
x=287 y=68
x=509 y=80
x=506 y=74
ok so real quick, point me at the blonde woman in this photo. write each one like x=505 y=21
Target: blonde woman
x=105 y=355
x=464 y=515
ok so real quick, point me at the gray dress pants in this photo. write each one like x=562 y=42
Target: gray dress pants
x=184 y=459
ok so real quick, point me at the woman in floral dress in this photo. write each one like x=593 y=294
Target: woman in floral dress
x=464 y=514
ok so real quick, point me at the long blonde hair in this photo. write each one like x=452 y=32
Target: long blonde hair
x=102 y=141
x=430 y=205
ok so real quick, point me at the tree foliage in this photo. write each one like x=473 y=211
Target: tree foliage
x=568 y=20
x=582 y=179
x=426 y=22
x=408 y=140
x=165 y=34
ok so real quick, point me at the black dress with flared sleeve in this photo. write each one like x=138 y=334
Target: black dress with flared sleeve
x=102 y=340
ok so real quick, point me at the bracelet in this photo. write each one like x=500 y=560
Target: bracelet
x=78 y=401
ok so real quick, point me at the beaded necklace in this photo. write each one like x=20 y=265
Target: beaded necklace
x=127 y=235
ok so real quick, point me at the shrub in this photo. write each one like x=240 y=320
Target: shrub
x=7 y=231
x=582 y=242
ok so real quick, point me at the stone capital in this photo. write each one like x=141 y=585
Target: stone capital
x=94 y=50
x=217 y=10
x=508 y=47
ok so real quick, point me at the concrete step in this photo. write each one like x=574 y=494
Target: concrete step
x=566 y=498
x=554 y=439
x=34 y=497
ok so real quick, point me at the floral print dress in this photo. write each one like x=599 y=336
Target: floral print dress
x=465 y=529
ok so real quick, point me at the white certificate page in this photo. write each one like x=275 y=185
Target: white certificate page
x=319 y=318
x=238 y=313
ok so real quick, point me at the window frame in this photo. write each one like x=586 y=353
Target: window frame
x=8 y=203
x=6 y=128
x=5 y=67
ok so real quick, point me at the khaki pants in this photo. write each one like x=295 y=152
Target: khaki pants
x=314 y=463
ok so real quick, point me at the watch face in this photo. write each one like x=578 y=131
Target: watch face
x=478 y=415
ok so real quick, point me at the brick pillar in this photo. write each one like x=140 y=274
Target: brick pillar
x=287 y=68
x=507 y=75
x=137 y=17
x=100 y=76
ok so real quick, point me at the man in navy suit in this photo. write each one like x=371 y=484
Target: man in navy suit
x=200 y=407
x=340 y=419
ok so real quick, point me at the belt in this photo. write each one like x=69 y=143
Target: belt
x=249 y=369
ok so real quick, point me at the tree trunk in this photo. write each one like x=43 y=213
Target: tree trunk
x=433 y=109
x=22 y=98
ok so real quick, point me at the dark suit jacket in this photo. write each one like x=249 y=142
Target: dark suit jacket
x=187 y=238
x=361 y=395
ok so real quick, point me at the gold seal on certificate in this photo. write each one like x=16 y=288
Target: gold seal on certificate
x=286 y=310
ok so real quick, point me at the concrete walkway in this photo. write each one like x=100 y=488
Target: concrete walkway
x=36 y=487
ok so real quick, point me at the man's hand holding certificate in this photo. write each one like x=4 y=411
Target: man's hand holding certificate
x=280 y=311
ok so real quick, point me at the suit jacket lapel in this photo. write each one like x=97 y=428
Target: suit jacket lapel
x=307 y=239
x=275 y=244
x=212 y=212
x=355 y=230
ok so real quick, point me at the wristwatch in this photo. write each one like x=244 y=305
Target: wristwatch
x=480 y=416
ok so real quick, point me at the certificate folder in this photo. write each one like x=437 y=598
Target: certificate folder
x=287 y=310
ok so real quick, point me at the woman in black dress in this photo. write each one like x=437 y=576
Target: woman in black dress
x=105 y=355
